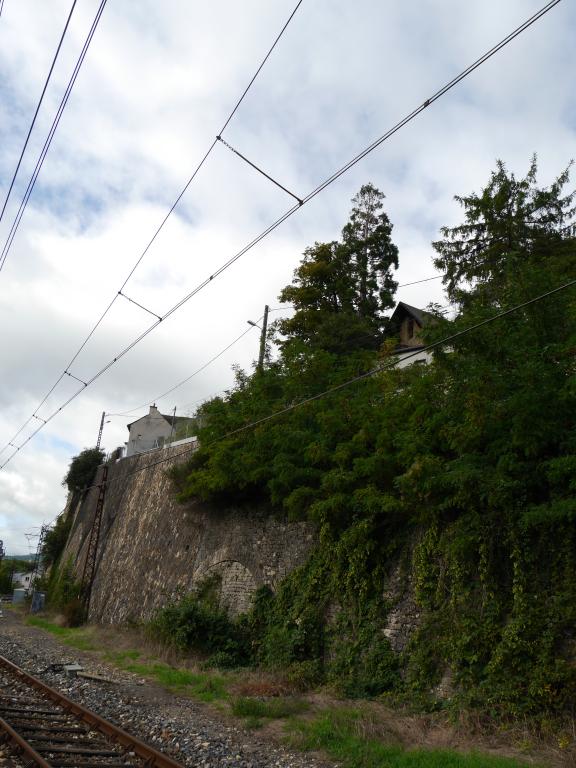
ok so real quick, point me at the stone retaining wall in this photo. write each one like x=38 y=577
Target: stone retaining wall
x=151 y=547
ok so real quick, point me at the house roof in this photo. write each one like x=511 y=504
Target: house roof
x=420 y=315
x=174 y=421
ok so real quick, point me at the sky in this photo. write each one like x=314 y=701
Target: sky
x=158 y=83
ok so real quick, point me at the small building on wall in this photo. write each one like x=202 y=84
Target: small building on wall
x=154 y=430
x=409 y=322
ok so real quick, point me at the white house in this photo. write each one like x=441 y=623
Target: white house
x=22 y=580
x=153 y=431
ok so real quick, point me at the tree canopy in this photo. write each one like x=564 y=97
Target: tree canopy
x=466 y=466
x=341 y=289
x=82 y=469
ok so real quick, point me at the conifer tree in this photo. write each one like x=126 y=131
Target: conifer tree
x=341 y=289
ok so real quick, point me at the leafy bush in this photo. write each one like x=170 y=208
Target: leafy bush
x=82 y=469
x=195 y=623
x=55 y=540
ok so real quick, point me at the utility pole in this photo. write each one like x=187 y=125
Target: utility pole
x=263 y=340
x=100 y=430
x=172 y=425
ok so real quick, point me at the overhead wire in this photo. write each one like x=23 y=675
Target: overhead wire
x=356 y=379
x=199 y=370
x=159 y=228
x=188 y=378
x=154 y=400
x=48 y=141
x=272 y=227
x=62 y=36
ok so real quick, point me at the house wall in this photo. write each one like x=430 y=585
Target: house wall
x=153 y=548
x=407 y=357
x=145 y=433
x=407 y=338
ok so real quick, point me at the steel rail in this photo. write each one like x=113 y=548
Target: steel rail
x=22 y=745
x=151 y=756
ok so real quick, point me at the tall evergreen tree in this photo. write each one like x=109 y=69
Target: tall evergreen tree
x=511 y=222
x=341 y=289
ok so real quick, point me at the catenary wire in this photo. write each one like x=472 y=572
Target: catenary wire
x=160 y=227
x=199 y=370
x=272 y=227
x=37 y=107
x=205 y=365
x=48 y=141
x=187 y=379
x=350 y=382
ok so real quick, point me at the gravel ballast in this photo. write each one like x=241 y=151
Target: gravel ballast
x=188 y=731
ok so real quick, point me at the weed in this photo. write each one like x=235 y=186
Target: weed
x=201 y=686
x=79 y=638
x=337 y=732
x=253 y=723
x=120 y=657
x=271 y=709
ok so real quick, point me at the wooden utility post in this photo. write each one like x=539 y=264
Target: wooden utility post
x=172 y=425
x=263 y=340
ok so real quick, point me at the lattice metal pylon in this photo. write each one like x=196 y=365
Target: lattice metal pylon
x=37 y=567
x=90 y=562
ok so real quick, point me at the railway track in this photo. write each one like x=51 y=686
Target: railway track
x=50 y=730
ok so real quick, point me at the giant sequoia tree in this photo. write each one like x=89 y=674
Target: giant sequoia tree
x=341 y=289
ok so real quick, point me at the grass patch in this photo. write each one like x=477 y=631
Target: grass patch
x=205 y=687
x=120 y=658
x=337 y=733
x=253 y=723
x=79 y=638
x=272 y=709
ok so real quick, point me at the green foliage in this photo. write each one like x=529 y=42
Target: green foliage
x=340 y=733
x=205 y=687
x=82 y=469
x=64 y=593
x=72 y=636
x=7 y=568
x=272 y=709
x=195 y=623
x=55 y=540
x=472 y=458
x=341 y=289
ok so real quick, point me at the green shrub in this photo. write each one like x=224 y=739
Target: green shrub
x=195 y=623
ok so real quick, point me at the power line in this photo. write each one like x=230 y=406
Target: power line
x=159 y=228
x=272 y=227
x=48 y=141
x=187 y=379
x=199 y=370
x=37 y=106
x=356 y=379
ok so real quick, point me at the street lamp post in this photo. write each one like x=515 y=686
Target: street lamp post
x=264 y=328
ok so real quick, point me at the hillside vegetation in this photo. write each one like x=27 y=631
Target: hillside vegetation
x=461 y=472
